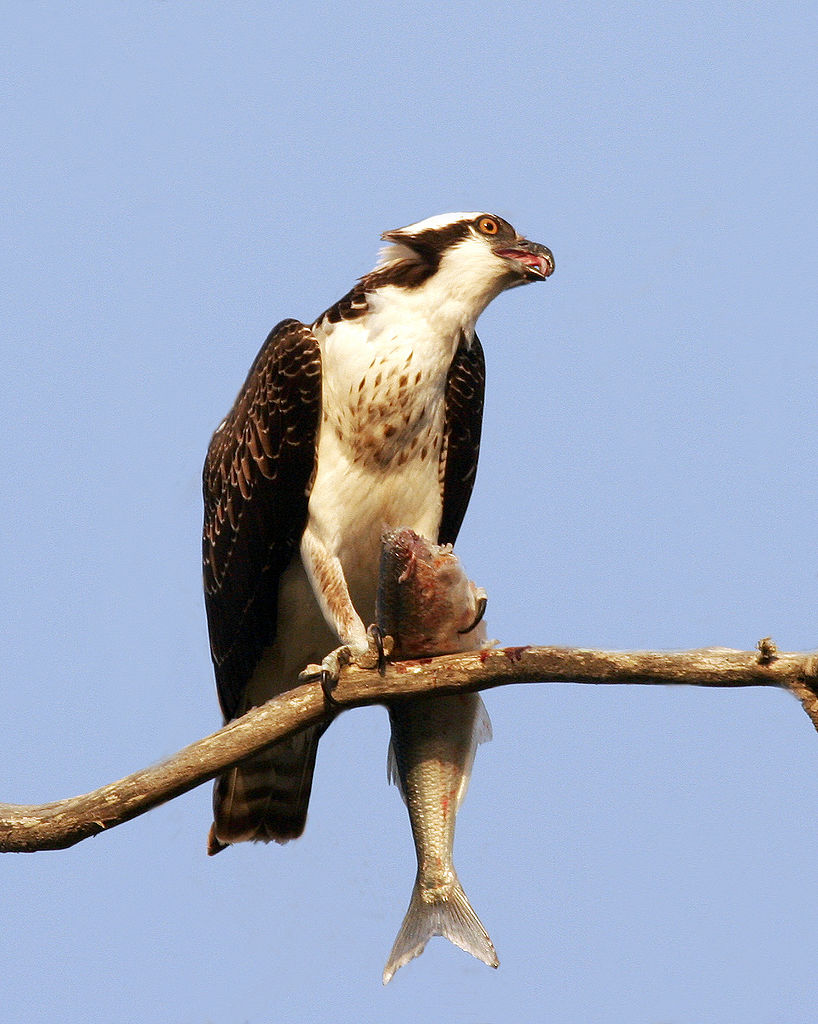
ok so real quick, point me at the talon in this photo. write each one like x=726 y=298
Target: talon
x=375 y=634
x=328 y=672
x=481 y=611
x=328 y=684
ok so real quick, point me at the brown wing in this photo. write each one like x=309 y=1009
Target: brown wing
x=465 y=387
x=257 y=477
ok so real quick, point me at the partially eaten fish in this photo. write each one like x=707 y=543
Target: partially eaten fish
x=429 y=606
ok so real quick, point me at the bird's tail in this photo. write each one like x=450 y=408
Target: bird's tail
x=265 y=798
x=446 y=913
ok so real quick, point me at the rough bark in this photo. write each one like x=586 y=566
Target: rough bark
x=61 y=824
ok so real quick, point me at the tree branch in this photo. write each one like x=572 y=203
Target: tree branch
x=58 y=825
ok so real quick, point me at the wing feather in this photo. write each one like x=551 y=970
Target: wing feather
x=256 y=481
x=465 y=389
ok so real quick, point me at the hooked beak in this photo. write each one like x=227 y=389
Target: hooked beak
x=533 y=261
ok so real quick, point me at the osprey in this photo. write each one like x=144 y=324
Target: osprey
x=367 y=418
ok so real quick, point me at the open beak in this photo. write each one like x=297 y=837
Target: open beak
x=534 y=261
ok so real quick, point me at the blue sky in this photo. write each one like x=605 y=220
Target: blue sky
x=177 y=178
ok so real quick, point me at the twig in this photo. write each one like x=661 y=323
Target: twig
x=58 y=825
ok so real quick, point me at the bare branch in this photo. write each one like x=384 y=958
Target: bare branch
x=61 y=824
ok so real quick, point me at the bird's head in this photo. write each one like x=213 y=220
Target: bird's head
x=478 y=244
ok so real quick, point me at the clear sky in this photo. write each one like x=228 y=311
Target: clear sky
x=178 y=177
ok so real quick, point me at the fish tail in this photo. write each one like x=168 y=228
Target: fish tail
x=449 y=914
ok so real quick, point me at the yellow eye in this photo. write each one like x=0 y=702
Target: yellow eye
x=488 y=226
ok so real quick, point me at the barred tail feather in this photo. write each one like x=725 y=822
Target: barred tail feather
x=450 y=915
x=265 y=798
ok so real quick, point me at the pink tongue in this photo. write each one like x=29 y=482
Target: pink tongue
x=530 y=259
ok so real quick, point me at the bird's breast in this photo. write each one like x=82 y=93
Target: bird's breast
x=384 y=395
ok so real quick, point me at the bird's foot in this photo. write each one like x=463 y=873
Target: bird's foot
x=372 y=653
x=328 y=672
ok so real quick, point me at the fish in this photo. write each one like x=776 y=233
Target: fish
x=427 y=604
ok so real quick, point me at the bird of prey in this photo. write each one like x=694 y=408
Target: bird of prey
x=365 y=419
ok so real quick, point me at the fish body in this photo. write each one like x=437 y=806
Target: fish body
x=429 y=606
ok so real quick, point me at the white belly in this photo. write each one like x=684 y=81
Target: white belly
x=379 y=448
x=351 y=505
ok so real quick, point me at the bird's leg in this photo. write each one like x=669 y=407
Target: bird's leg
x=359 y=645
